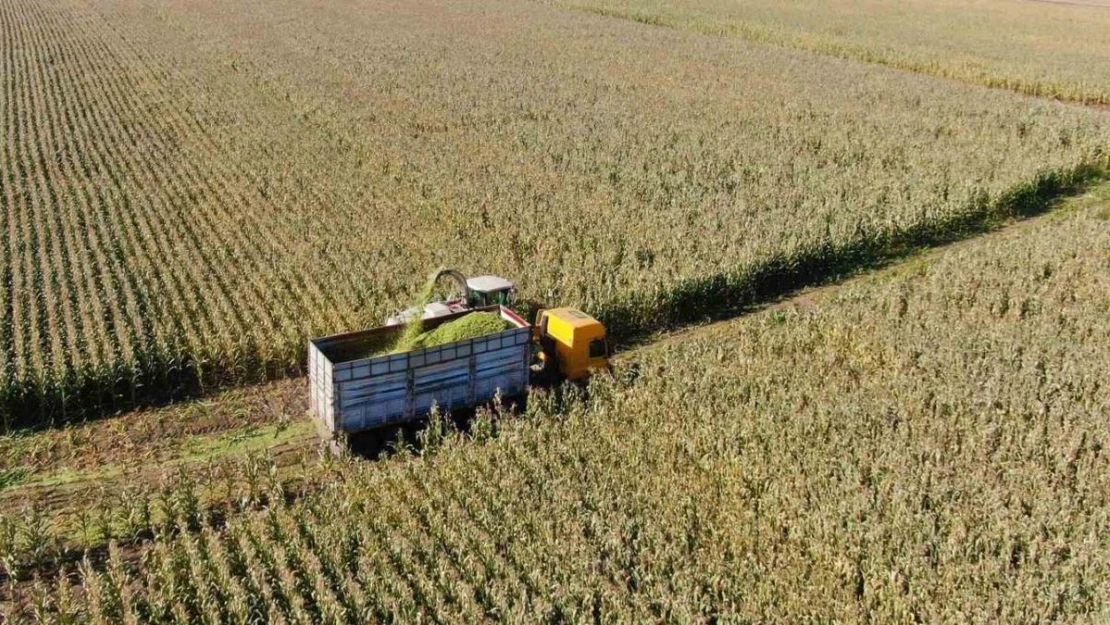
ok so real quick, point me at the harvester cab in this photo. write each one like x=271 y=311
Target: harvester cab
x=457 y=293
x=490 y=291
x=571 y=344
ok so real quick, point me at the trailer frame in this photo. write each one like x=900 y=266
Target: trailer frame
x=349 y=395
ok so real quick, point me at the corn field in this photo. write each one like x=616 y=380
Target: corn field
x=1051 y=48
x=190 y=189
x=927 y=445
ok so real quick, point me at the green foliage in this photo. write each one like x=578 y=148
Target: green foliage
x=12 y=477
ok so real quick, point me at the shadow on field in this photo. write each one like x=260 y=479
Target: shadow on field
x=387 y=441
x=637 y=320
x=427 y=434
x=412 y=437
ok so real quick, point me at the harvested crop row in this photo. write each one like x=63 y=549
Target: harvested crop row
x=925 y=445
x=194 y=188
x=1057 y=51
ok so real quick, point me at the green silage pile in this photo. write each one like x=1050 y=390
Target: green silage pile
x=470 y=326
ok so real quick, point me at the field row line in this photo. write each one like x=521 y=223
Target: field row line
x=830 y=46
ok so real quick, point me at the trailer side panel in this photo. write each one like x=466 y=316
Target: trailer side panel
x=373 y=392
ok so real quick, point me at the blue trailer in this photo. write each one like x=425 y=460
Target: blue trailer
x=352 y=390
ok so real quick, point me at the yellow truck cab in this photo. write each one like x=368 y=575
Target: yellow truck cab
x=577 y=340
